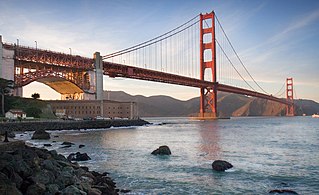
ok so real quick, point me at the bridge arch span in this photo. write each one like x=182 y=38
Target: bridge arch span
x=71 y=85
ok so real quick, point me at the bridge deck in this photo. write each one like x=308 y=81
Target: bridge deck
x=67 y=61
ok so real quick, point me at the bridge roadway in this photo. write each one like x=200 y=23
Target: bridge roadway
x=56 y=61
x=120 y=70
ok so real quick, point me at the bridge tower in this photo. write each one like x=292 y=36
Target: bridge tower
x=290 y=97
x=98 y=64
x=208 y=96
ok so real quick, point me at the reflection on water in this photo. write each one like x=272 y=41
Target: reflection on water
x=209 y=145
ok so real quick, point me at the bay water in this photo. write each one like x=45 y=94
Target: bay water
x=267 y=153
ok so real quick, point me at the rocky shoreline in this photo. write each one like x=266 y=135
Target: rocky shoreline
x=35 y=171
x=68 y=125
x=30 y=170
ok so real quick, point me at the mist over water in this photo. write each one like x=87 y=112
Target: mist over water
x=266 y=152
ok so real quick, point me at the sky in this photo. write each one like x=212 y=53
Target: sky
x=275 y=39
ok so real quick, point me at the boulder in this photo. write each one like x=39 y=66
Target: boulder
x=282 y=191
x=81 y=145
x=52 y=189
x=6 y=186
x=67 y=143
x=71 y=190
x=40 y=134
x=36 y=189
x=78 y=157
x=43 y=177
x=94 y=191
x=162 y=150
x=65 y=178
x=9 y=189
x=221 y=165
x=47 y=145
x=125 y=191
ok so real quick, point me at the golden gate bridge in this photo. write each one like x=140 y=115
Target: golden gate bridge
x=197 y=54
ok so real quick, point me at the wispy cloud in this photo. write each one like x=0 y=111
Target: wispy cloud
x=276 y=39
x=295 y=25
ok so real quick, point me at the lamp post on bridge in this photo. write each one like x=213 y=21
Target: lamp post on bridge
x=36 y=45
x=70 y=50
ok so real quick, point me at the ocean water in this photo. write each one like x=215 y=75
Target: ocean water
x=266 y=152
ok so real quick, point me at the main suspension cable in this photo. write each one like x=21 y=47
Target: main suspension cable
x=108 y=55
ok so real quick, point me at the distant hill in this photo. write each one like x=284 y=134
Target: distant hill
x=228 y=105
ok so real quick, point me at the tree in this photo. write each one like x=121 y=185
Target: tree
x=33 y=111
x=6 y=87
x=35 y=96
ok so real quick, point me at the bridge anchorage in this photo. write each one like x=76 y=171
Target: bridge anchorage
x=194 y=54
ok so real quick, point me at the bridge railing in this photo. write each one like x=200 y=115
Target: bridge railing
x=48 y=57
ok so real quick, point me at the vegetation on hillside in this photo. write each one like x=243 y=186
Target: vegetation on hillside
x=33 y=107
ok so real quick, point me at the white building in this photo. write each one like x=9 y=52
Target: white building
x=15 y=113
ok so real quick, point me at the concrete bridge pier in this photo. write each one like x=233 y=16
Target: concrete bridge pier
x=98 y=63
x=18 y=91
x=1 y=55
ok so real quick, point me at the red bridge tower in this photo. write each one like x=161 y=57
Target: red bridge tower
x=208 y=95
x=290 y=97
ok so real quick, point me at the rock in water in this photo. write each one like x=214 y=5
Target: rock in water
x=40 y=134
x=162 y=150
x=78 y=157
x=221 y=165
x=67 y=143
x=284 y=191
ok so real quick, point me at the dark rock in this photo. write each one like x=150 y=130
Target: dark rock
x=25 y=185
x=10 y=133
x=85 y=168
x=65 y=178
x=94 y=191
x=47 y=145
x=221 y=165
x=125 y=190
x=37 y=171
x=6 y=186
x=67 y=143
x=81 y=145
x=282 y=191
x=162 y=150
x=72 y=190
x=66 y=146
x=41 y=134
x=78 y=157
x=36 y=189
x=52 y=189
x=53 y=153
x=9 y=189
x=15 y=178
x=51 y=165
x=43 y=177
x=56 y=136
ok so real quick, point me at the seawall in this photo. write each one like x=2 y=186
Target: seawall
x=68 y=125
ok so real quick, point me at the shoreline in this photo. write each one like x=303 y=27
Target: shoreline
x=69 y=125
x=32 y=170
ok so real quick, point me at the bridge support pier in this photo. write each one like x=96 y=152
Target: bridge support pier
x=98 y=63
x=18 y=91
x=1 y=56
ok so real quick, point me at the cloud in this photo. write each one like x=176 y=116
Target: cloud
x=295 y=26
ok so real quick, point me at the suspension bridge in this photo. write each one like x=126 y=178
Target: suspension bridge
x=197 y=54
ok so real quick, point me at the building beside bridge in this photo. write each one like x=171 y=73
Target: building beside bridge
x=94 y=109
